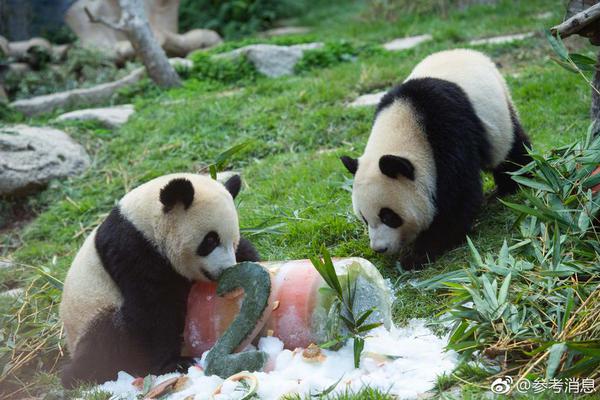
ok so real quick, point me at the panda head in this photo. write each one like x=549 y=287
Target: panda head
x=389 y=199
x=191 y=219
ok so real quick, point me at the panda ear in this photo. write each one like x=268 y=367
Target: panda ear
x=393 y=166
x=178 y=190
x=350 y=163
x=233 y=185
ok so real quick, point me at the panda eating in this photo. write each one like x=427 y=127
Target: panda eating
x=418 y=181
x=125 y=295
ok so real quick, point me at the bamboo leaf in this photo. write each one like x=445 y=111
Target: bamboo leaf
x=368 y=327
x=555 y=354
x=363 y=317
x=557 y=45
x=359 y=345
x=503 y=294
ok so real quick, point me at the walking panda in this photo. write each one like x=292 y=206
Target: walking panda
x=418 y=181
x=125 y=295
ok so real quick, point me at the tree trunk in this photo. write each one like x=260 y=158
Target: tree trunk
x=134 y=24
x=595 y=110
x=137 y=30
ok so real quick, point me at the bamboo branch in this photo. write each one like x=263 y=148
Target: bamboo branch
x=577 y=22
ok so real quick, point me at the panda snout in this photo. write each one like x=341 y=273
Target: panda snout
x=380 y=249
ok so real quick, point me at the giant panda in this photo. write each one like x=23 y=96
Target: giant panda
x=125 y=295
x=418 y=183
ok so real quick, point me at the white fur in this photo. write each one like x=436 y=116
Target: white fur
x=178 y=233
x=396 y=132
x=477 y=75
x=88 y=288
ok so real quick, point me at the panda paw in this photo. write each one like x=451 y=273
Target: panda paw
x=179 y=364
x=412 y=262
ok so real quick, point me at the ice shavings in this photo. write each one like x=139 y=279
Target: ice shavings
x=401 y=361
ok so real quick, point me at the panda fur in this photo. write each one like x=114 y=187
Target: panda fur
x=125 y=295
x=418 y=181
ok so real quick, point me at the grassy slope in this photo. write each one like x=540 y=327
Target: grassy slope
x=295 y=185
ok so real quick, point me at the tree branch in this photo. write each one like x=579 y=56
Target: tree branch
x=577 y=22
x=100 y=20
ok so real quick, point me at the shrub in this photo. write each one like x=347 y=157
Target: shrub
x=332 y=53
x=235 y=18
x=83 y=67
x=208 y=67
x=536 y=303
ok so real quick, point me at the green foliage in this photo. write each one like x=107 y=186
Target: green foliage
x=538 y=299
x=223 y=158
x=235 y=18
x=277 y=40
x=331 y=54
x=391 y=10
x=344 y=307
x=230 y=70
x=83 y=67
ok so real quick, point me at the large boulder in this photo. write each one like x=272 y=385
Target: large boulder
x=272 y=60
x=31 y=156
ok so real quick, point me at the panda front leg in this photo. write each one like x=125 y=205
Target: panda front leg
x=160 y=328
x=517 y=158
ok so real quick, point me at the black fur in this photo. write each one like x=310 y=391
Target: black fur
x=233 y=185
x=246 y=251
x=145 y=334
x=394 y=166
x=517 y=157
x=350 y=163
x=178 y=190
x=460 y=149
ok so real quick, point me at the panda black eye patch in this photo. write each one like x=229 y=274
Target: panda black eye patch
x=390 y=218
x=209 y=243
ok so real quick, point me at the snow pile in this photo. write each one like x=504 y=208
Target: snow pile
x=403 y=362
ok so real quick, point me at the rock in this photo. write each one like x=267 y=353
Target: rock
x=31 y=156
x=111 y=117
x=272 y=60
x=407 y=42
x=177 y=62
x=18 y=49
x=77 y=97
x=19 y=68
x=501 y=39
x=371 y=99
x=286 y=30
x=181 y=45
x=3 y=46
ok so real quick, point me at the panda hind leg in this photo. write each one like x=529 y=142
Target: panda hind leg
x=102 y=351
x=517 y=158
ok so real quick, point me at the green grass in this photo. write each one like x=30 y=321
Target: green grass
x=296 y=194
